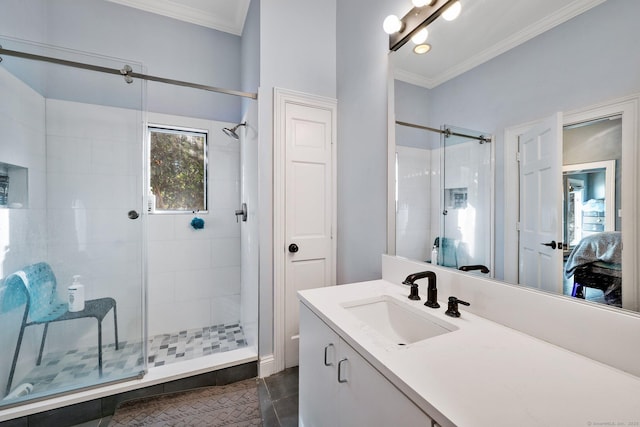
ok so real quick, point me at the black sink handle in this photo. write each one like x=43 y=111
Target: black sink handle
x=452 y=307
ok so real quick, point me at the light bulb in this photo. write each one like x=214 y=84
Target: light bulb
x=392 y=24
x=452 y=11
x=422 y=48
x=420 y=37
x=420 y=3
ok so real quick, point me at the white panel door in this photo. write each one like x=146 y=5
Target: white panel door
x=541 y=206
x=308 y=210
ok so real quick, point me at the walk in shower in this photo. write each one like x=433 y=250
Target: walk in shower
x=444 y=196
x=97 y=287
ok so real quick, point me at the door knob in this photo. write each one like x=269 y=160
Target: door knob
x=133 y=215
x=551 y=244
x=293 y=248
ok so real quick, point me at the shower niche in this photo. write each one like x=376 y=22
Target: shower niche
x=13 y=186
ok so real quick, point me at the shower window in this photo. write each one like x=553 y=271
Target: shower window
x=178 y=170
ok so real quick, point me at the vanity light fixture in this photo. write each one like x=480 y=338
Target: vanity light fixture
x=420 y=37
x=417 y=19
x=420 y=3
x=392 y=24
x=421 y=49
x=452 y=11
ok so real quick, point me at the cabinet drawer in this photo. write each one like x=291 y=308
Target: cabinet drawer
x=593 y=227
x=593 y=220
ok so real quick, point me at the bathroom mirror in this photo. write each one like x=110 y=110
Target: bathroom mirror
x=554 y=71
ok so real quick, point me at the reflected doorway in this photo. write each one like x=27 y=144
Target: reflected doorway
x=592 y=262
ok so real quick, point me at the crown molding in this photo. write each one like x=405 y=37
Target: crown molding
x=413 y=78
x=196 y=16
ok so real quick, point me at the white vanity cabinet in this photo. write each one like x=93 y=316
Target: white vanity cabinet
x=338 y=387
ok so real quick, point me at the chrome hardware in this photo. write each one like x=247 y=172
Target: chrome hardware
x=242 y=212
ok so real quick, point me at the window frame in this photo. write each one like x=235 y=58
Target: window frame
x=151 y=127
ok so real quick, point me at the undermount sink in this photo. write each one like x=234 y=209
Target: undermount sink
x=399 y=323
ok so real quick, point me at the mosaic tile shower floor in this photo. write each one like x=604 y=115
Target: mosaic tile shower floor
x=60 y=369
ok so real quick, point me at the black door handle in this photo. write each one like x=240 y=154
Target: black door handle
x=133 y=215
x=551 y=244
x=293 y=248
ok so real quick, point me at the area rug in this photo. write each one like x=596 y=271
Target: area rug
x=235 y=404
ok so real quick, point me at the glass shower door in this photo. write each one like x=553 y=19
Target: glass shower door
x=72 y=227
x=467 y=186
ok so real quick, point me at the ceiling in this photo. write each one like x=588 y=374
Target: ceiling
x=484 y=30
x=222 y=15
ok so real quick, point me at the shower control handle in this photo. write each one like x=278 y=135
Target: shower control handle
x=242 y=212
x=293 y=248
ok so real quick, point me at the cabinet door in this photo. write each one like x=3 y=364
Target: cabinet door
x=366 y=398
x=317 y=372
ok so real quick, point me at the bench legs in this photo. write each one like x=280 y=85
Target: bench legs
x=44 y=337
x=15 y=355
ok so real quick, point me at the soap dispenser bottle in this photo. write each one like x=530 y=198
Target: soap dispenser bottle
x=76 y=295
x=151 y=201
x=434 y=255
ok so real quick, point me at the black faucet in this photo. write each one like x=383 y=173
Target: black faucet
x=482 y=268
x=452 y=307
x=432 y=290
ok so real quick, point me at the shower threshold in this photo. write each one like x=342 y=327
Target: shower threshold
x=198 y=351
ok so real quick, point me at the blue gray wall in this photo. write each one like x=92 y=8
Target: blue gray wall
x=362 y=70
x=167 y=47
x=297 y=52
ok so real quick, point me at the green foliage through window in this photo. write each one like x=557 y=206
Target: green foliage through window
x=178 y=169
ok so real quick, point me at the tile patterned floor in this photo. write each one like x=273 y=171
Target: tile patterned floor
x=80 y=366
x=278 y=396
x=194 y=343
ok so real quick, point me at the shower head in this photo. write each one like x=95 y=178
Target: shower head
x=232 y=132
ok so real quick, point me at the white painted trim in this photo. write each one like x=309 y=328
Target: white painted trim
x=280 y=98
x=512 y=200
x=571 y=10
x=628 y=107
x=414 y=79
x=492 y=211
x=391 y=163
x=266 y=366
x=610 y=187
x=193 y=15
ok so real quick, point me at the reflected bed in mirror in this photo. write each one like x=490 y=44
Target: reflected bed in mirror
x=554 y=74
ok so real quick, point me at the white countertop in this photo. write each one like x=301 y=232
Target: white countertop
x=483 y=373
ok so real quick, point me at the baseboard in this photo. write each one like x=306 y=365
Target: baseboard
x=266 y=366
